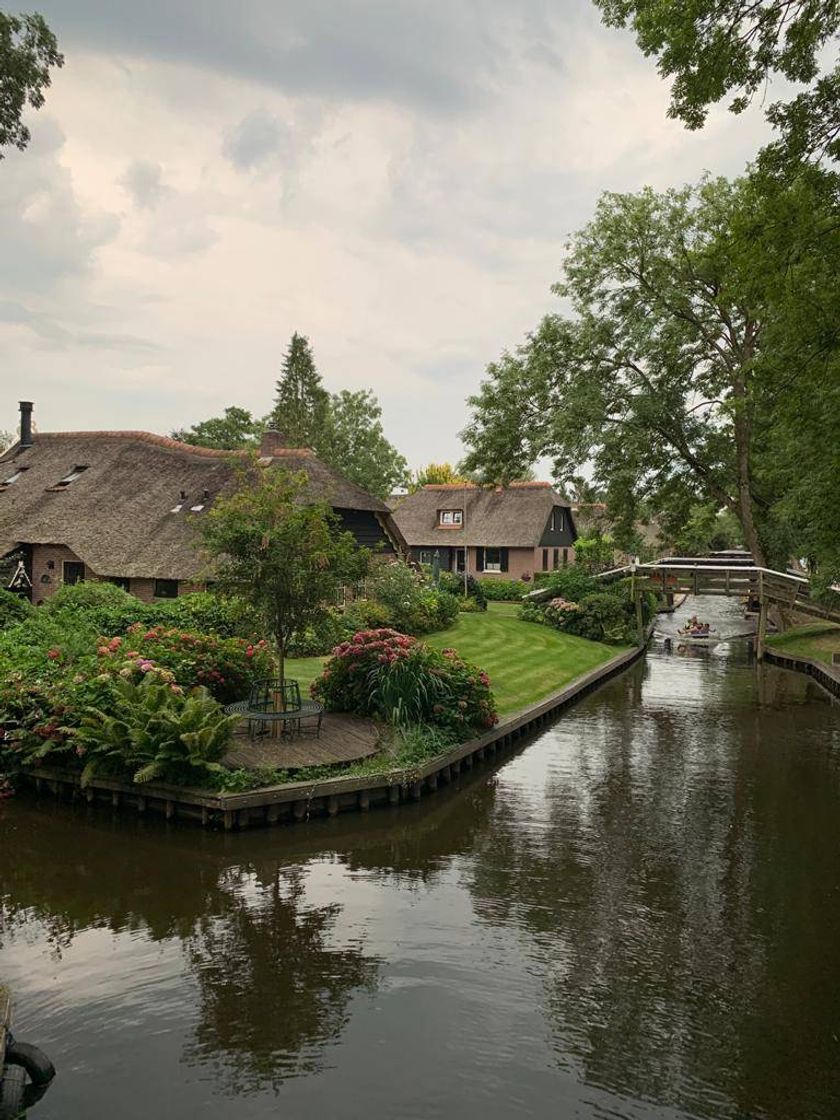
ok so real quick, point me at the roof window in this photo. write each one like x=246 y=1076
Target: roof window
x=450 y=518
x=69 y=478
x=13 y=477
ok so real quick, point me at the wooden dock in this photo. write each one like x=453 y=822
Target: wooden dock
x=343 y=738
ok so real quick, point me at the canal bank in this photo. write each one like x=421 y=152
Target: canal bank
x=293 y=802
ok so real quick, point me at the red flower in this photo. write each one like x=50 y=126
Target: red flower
x=54 y=653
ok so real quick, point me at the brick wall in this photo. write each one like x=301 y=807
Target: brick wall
x=48 y=562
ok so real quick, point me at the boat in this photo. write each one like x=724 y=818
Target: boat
x=698 y=637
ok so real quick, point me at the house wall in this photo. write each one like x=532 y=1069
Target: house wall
x=558 y=538
x=56 y=554
x=365 y=527
x=521 y=561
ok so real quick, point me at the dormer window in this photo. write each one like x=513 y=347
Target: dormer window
x=450 y=518
x=558 y=520
x=69 y=478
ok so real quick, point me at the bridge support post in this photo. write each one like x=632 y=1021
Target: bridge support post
x=762 y=619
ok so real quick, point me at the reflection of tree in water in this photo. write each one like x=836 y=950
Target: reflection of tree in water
x=681 y=894
x=273 y=992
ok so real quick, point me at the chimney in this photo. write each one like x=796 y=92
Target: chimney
x=25 y=424
x=272 y=442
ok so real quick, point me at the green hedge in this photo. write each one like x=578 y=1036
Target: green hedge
x=504 y=590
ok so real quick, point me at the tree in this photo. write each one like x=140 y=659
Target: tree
x=354 y=443
x=27 y=51
x=438 y=474
x=714 y=48
x=301 y=405
x=284 y=556
x=657 y=380
x=235 y=430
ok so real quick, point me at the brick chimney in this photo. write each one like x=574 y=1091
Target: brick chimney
x=25 y=423
x=272 y=442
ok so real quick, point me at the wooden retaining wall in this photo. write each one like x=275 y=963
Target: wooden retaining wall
x=823 y=674
x=297 y=801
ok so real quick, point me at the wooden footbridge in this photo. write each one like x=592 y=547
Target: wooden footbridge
x=730 y=574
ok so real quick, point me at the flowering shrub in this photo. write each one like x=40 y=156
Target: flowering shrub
x=415 y=606
x=385 y=673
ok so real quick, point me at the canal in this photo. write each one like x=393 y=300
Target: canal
x=636 y=915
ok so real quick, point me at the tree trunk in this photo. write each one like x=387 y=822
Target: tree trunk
x=742 y=429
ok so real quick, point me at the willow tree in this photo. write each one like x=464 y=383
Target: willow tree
x=280 y=552
x=656 y=379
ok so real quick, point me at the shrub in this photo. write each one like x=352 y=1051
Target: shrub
x=570 y=583
x=209 y=613
x=415 y=606
x=385 y=673
x=151 y=729
x=503 y=590
x=13 y=608
x=454 y=584
x=320 y=638
x=101 y=608
x=471 y=606
x=365 y=614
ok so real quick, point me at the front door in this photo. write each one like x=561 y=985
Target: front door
x=460 y=559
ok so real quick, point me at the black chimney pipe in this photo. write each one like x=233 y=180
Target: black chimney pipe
x=26 y=423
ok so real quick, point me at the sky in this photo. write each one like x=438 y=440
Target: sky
x=395 y=179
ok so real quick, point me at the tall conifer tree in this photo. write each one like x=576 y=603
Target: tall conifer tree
x=301 y=404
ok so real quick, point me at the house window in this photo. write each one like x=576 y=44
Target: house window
x=545 y=559
x=451 y=518
x=119 y=581
x=460 y=559
x=556 y=559
x=558 y=521
x=69 y=478
x=74 y=572
x=166 y=589
x=565 y=557
x=492 y=560
x=425 y=556
x=13 y=477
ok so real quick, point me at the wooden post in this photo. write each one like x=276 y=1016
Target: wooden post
x=762 y=619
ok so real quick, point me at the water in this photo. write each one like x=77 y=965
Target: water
x=637 y=915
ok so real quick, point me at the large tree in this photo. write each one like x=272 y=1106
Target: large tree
x=354 y=442
x=28 y=49
x=713 y=49
x=301 y=403
x=693 y=341
x=282 y=554
x=235 y=430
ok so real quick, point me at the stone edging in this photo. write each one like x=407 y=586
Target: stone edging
x=821 y=672
x=297 y=801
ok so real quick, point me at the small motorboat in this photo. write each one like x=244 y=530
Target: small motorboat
x=697 y=634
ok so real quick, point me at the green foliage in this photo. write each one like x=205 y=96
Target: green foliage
x=582 y=606
x=454 y=584
x=301 y=404
x=708 y=530
x=571 y=583
x=437 y=474
x=503 y=590
x=285 y=558
x=365 y=614
x=235 y=430
x=384 y=673
x=13 y=609
x=28 y=50
x=320 y=638
x=415 y=605
x=595 y=553
x=353 y=441
x=714 y=48
x=151 y=730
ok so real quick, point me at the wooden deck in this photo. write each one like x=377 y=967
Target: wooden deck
x=343 y=739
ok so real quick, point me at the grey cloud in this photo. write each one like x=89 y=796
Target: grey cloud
x=56 y=336
x=256 y=139
x=442 y=55
x=144 y=182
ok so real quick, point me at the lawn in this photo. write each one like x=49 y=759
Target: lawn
x=523 y=660
x=818 y=640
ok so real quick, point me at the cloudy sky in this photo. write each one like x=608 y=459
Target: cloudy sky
x=394 y=178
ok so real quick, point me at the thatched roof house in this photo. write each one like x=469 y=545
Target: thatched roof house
x=512 y=531
x=124 y=506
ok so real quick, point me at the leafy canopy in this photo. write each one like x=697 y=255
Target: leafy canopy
x=235 y=430
x=284 y=556
x=28 y=49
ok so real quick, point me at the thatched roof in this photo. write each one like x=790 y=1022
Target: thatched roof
x=117 y=515
x=513 y=517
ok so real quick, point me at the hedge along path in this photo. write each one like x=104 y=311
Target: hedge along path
x=297 y=801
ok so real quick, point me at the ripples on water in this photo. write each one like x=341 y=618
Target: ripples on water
x=635 y=916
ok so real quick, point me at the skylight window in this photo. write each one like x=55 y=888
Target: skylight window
x=13 y=477
x=69 y=478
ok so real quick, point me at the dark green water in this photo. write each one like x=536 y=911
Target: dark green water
x=638 y=915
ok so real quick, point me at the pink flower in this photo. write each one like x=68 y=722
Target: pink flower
x=103 y=651
x=54 y=653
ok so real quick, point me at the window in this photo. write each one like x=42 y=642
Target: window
x=556 y=559
x=565 y=557
x=70 y=477
x=425 y=556
x=558 y=521
x=492 y=559
x=451 y=518
x=545 y=559
x=13 y=477
x=166 y=589
x=74 y=572
x=460 y=560
x=119 y=581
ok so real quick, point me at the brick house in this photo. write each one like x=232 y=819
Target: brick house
x=125 y=506
x=509 y=533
